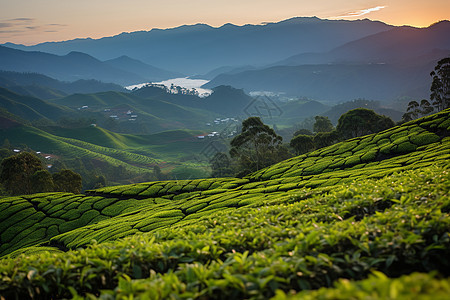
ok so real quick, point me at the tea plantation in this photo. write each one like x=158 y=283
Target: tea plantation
x=364 y=219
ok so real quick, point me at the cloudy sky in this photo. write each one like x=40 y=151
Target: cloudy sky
x=34 y=21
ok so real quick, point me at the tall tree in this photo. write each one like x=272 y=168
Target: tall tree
x=324 y=139
x=440 y=86
x=221 y=165
x=362 y=121
x=322 y=124
x=302 y=131
x=42 y=182
x=256 y=147
x=302 y=143
x=67 y=181
x=16 y=172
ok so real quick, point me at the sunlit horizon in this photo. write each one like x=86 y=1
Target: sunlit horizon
x=30 y=23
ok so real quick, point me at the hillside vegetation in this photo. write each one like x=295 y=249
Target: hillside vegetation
x=358 y=213
x=135 y=154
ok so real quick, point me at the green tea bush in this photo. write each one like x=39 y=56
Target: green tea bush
x=257 y=237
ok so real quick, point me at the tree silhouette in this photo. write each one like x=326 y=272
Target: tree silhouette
x=440 y=86
x=221 y=165
x=67 y=181
x=362 y=121
x=257 y=146
x=42 y=181
x=302 y=131
x=16 y=172
x=302 y=143
x=322 y=124
x=440 y=93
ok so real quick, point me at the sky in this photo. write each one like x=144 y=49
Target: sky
x=35 y=21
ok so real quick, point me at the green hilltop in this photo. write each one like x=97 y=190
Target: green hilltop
x=30 y=108
x=156 y=115
x=135 y=153
x=367 y=210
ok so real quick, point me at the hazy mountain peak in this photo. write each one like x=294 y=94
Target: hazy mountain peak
x=78 y=54
x=199 y=48
x=440 y=24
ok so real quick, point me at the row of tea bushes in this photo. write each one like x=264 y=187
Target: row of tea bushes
x=396 y=225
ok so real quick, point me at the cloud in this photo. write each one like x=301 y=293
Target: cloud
x=361 y=12
x=22 y=19
x=10 y=31
x=26 y=26
x=5 y=25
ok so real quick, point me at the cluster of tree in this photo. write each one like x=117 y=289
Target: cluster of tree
x=440 y=93
x=23 y=174
x=256 y=147
x=354 y=123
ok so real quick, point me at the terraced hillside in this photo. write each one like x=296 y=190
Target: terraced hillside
x=135 y=153
x=377 y=205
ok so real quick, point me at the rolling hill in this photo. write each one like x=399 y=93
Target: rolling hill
x=43 y=87
x=367 y=213
x=154 y=114
x=336 y=82
x=30 y=108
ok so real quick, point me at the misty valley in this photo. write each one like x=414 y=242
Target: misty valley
x=300 y=159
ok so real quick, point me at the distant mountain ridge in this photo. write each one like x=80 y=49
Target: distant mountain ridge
x=144 y=70
x=383 y=66
x=197 y=49
x=44 y=87
x=396 y=45
x=79 y=66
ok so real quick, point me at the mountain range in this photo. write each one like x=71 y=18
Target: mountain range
x=44 y=87
x=197 y=49
x=327 y=60
x=77 y=65
x=383 y=66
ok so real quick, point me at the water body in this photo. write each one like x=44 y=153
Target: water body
x=182 y=82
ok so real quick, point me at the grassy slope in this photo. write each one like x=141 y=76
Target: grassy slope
x=30 y=108
x=157 y=114
x=156 y=145
x=300 y=224
x=70 y=148
x=110 y=147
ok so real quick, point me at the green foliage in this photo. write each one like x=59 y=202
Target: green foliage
x=302 y=144
x=16 y=172
x=221 y=165
x=336 y=214
x=322 y=124
x=67 y=181
x=362 y=121
x=379 y=286
x=324 y=139
x=42 y=181
x=424 y=139
x=302 y=131
x=440 y=87
x=256 y=147
x=308 y=240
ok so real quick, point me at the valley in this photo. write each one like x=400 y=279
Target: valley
x=304 y=158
